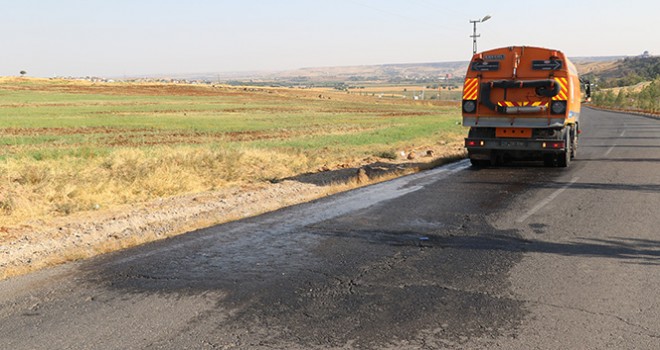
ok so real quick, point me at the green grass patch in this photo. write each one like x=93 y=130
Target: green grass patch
x=67 y=147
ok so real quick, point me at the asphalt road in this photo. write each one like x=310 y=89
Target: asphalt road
x=514 y=257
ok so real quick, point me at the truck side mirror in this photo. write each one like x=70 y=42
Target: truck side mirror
x=587 y=90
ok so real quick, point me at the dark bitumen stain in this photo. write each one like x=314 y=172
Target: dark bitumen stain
x=625 y=160
x=372 y=287
x=622 y=138
x=377 y=276
x=617 y=146
x=648 y=188
x=423 y=265
x=372 y=170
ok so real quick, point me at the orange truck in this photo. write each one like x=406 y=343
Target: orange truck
x=522 y=103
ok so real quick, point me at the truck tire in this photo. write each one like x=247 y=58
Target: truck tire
x=564 y=159
x=574 y=142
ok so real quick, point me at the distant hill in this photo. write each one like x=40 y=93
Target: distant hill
x=384 y=72
x=389 y=73
x=591 y=59
x=586 y=65
x=627 y=71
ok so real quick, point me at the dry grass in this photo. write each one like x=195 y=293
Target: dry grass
x=629 y=89
x=595 y=67
x=66 y=185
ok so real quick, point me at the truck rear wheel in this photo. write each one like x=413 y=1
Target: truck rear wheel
x=564 y=159
x=574 y=146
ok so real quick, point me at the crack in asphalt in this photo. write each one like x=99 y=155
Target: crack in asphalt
x=343 y=282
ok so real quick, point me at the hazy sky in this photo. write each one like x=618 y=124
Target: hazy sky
x=139 y=37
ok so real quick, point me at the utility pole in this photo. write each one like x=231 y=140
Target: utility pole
x=474 y=35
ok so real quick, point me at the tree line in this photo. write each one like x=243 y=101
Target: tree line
x=629 y=71
x=646 y=99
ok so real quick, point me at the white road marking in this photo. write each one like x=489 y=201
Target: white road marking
x=612 y=148
x=547 y=200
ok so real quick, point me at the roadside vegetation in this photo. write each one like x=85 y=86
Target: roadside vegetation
x=68 y=147
x=643 y=97
x=631 y=84
x=627 y=72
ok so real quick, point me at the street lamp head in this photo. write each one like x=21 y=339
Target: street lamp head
x=474 y=35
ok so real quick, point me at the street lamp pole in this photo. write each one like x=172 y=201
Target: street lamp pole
x=474 y=35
